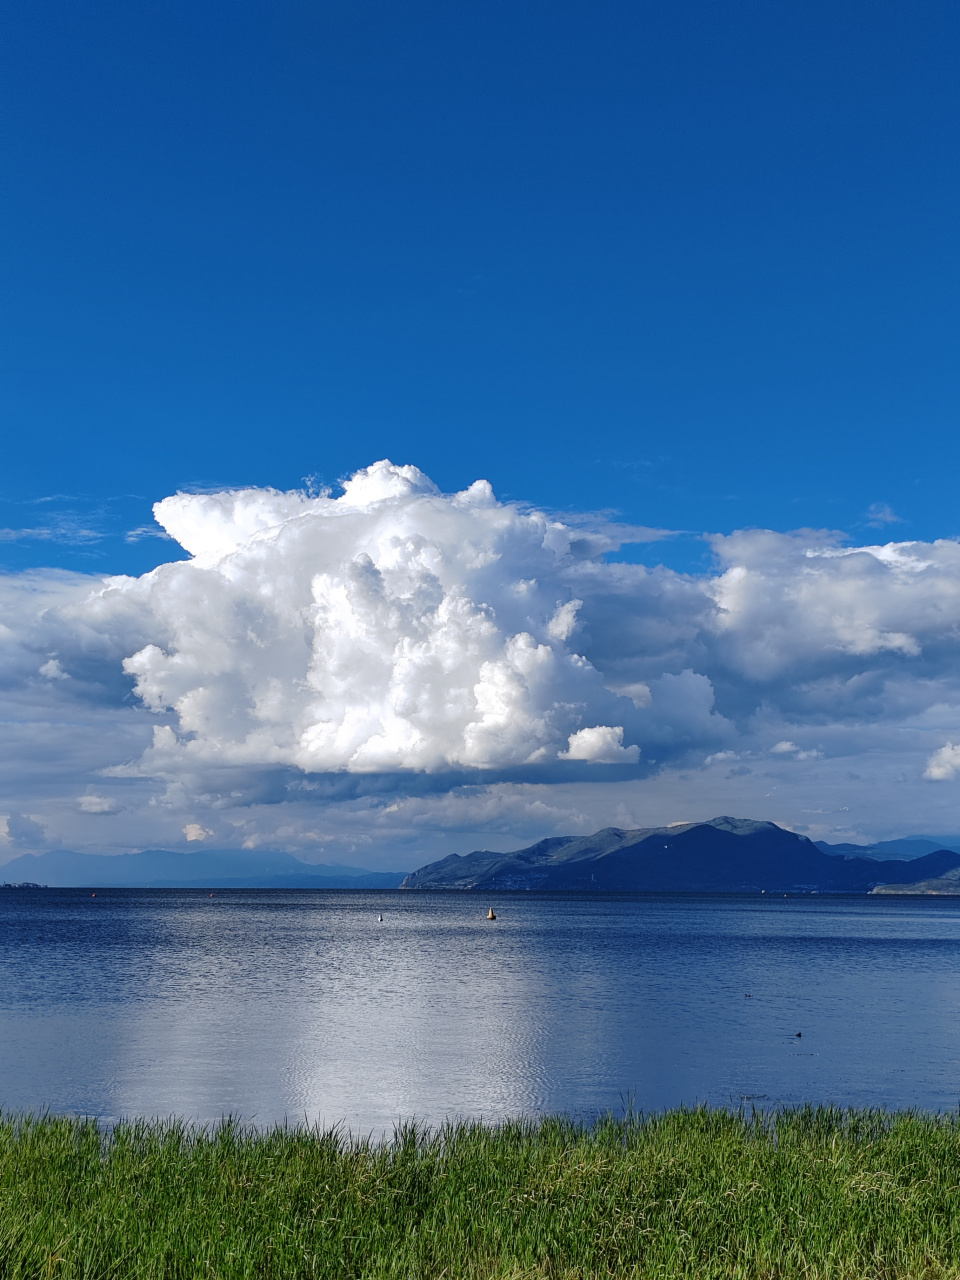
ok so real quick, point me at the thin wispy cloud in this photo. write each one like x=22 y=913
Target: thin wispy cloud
x=65 y=532
x=880 y=514
x=146 y=531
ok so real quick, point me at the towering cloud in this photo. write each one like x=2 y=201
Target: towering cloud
x=395 y=631
x=391 y=628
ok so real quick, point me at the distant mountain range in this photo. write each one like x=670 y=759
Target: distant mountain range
x=725 y=855
x=207 y=869
x=908 y=847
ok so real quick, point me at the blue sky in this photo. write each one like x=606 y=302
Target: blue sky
x=697 y=263
x=682 y=266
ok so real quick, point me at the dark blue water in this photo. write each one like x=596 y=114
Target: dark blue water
x=275 y=1005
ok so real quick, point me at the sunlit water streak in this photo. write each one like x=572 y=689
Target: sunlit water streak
x=286 y=1005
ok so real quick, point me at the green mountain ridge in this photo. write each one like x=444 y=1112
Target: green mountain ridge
x=724 y=855
x=947 y=885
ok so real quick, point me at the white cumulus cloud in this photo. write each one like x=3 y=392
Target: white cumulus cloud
x=944 y=764
x=600 y=744
x=392 y=628
x=91 y=803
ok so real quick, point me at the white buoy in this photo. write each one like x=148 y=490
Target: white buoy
x=380 y=919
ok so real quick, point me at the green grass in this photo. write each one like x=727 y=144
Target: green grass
x=808 y=1193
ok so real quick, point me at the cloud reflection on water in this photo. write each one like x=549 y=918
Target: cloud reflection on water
x=276 y=1006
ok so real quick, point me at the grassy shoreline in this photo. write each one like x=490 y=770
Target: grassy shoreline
x=815 y=1192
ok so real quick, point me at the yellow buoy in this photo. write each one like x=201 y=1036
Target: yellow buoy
x=490 y=915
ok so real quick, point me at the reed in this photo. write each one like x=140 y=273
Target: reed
x=813 y=1192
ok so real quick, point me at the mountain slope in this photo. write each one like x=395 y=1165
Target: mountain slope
x=947 y=885
x=725 y=855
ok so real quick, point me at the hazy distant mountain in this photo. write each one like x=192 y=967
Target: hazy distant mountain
x=208 y=869
x=908 y=847
x=726 y=855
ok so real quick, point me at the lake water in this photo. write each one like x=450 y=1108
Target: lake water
x=276 y=1005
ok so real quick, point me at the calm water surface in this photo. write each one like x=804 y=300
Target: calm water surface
x=278 y=1005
